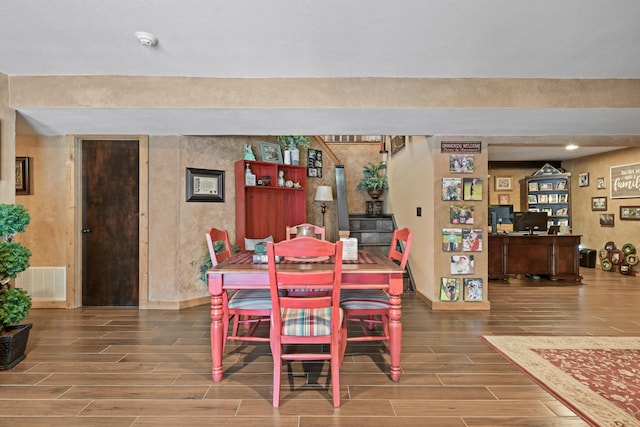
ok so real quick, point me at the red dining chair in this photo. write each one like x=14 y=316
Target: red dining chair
x=249 y=307
x=318 y=230
x=304 y=319
x=371 y=306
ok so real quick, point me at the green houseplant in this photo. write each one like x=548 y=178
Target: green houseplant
x=290 y=144
x=14 y=302
x=374 y=179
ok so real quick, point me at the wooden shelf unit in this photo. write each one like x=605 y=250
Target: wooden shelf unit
x=551 y=190
x=262 y=211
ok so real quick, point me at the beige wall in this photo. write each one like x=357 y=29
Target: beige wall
x=585 y=221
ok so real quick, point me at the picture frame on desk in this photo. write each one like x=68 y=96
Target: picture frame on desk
x=270 y=152
x=204 y=185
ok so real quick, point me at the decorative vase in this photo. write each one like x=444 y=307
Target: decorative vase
x=287 y=157
x=13 y=343
x=295 y=156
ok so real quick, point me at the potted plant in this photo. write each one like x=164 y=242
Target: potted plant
x=289 y=144
x=14 y=302
x=374 y=180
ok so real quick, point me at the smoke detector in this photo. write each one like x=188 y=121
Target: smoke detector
x=146 y=39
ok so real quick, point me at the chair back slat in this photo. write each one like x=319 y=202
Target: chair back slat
x=292 y=231
x=404 y=236
x=215 y=235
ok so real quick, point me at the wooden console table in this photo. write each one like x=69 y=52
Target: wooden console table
x=557 y=256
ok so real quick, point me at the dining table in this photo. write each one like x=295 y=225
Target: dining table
x=371 y=270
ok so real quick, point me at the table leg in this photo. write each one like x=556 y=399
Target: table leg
x=217 y=336
x=395 y=335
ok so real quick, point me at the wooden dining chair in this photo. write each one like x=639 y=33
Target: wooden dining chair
x=248 y=307
x=302 y=319
x=318 y=230
x=371 y=306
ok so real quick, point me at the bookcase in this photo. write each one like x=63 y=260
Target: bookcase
x=548 y=190
x=265 y=208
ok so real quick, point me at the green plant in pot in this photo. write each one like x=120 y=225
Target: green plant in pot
x=374 y=179
x=14 y=302
x=290 y=144
x=204 y=262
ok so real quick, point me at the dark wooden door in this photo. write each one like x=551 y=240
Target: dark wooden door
x=110 y=208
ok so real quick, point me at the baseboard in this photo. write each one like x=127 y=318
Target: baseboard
x=461 y=305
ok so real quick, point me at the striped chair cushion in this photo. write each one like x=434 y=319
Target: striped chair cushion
x=365 y=299
x=250 y=300
x=307 y=322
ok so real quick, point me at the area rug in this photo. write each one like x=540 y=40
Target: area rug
x=597 y=377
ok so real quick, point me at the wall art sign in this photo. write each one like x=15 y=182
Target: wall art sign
x=460 y=146
x=624 y=181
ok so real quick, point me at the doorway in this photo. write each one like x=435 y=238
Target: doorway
x=110 y=200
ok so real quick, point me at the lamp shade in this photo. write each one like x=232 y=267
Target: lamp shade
x=324 y=193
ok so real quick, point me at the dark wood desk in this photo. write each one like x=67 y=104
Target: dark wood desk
x=557 y=256
x=381 y=273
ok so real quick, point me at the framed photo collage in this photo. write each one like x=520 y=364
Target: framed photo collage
x=461 y=239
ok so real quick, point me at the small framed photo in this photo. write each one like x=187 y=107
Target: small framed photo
x=533 y=186
x=546 y=186
x=23 y=175
x=472 y=289
x=451 y=189
x=450 y=289
x=451 y=239
x=461 y=214
x=601 y=183
x=503 y=183
x=606 y=220
x=563 y=198
x=205 y=185
x=598 y=203
x=543 y=198
x=462 y=264
x=629 y=212
x=532 y=199
x=561 y=185
x=270 y=152
x=461 y=163
x=583 y=179
x=553 y=198
x=503 y=199
x=472 y=189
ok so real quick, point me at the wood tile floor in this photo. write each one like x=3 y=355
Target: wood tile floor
x=122 y=367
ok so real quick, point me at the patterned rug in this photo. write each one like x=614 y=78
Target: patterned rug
x=597 y=377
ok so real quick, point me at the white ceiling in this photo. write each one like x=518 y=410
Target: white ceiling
x=331 y=38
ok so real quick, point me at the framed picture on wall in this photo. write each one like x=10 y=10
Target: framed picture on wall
x=583 y=179
x=23 y=175
x=205 y=185
x=629 y=212
x=598 y=203
x=503 y=183
x=606 y=220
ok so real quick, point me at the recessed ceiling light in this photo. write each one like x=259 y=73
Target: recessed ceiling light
x=571 y=147
x=146 y=39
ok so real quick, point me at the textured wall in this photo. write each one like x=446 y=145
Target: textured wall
x=585 y=221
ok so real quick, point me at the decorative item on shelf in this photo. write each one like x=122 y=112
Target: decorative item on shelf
x=324 y=194
x=249 y=177
x=248 y=153
x=374 y=179
x=14 y=302
x=289 y=144
x=281 y=178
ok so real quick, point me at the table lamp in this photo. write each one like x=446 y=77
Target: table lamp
x=324 y=194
